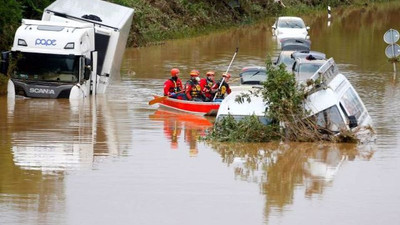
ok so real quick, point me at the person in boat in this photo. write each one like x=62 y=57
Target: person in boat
x=192 y=87
x=206 y=84
x=221 y=88
x=173 y=86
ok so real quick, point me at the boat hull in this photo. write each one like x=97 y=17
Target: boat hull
x=199 y=108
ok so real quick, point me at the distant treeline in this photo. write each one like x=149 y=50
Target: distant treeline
x=158 y=20
x=11 y=13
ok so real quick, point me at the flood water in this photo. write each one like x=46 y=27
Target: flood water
x=116 y=160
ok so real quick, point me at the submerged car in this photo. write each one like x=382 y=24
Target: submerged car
x=296 y=44
x=290 y=46
x=308 y=54
x=290 y=27
x=230 y=107
x=253 y=75
x=337 y=106
x=304 y=68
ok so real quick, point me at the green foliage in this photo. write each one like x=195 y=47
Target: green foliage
x=3 y=84
x=286 y=105
x=282 y=94
x=250 y=129
x=11 y=13
x=10 y=16
x=159 y=20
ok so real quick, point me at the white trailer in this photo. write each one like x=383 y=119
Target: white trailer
x=75 y=50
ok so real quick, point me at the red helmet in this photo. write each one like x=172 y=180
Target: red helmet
x=194 y=73
x=227 y=75
x=175 y=72
x=210 y=73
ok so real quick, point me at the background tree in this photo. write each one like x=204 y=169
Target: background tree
x=11 y=13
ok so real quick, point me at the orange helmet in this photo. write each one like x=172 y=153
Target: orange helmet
x=194 y=73
x=227 y=75
x=210 y=73
x=175 y=72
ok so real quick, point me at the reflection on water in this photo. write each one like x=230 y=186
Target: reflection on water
x=44 y=139
x=50 y=139
x=281 y=168
x=116 y=160
x=174 y=123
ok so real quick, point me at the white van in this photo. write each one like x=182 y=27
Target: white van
x=335 y=103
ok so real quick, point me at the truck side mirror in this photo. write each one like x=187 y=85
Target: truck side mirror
x=87 y=72
x=88 y=63
x=5 y=56
x=353 y=122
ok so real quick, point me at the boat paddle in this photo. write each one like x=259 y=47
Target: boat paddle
x=223 y=78
x=157 y=100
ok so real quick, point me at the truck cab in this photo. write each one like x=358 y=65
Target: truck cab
x=49 y=58
x=74 y=51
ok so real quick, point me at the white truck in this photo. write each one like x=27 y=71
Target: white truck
x=75 y=50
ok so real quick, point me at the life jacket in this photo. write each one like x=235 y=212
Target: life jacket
x=176 y=88
x=206 y=85
x=209 y=84
x=225 y=89
x=172 y=86
x=195 y=90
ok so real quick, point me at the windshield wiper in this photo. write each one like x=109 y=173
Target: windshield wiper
x=255 y=73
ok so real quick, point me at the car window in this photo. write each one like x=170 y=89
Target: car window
x=309 y=68
x=288 y=61
x=253 y=77
x=352 y=104
x=330 y=119
x=291 y=24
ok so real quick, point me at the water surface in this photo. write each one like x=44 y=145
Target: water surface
x=114 y=159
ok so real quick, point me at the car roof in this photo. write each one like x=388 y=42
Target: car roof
x=285 y=41
x=295 y=47
x=305 y=54
x=284 y=54
x=253 y=68
x=295 y=44
x=289 y=18
x=307 y=61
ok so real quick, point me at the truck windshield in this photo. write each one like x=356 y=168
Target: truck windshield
x=46 y=67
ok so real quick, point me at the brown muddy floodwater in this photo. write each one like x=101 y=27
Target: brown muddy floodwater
x=116 y=160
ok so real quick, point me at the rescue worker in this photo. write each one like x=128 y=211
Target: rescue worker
x=206 y=85
x=221 y=90
x=173 y=87
x=192 y=87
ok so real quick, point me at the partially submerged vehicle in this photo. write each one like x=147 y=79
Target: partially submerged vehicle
x=306 y=54
x=230 y=107
x=290 y=27
x=298 y=44
x=304 y=68
x=334 y=103
x=253 y=75
x=288 y=47
x=251 y=79
x=74 y=51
